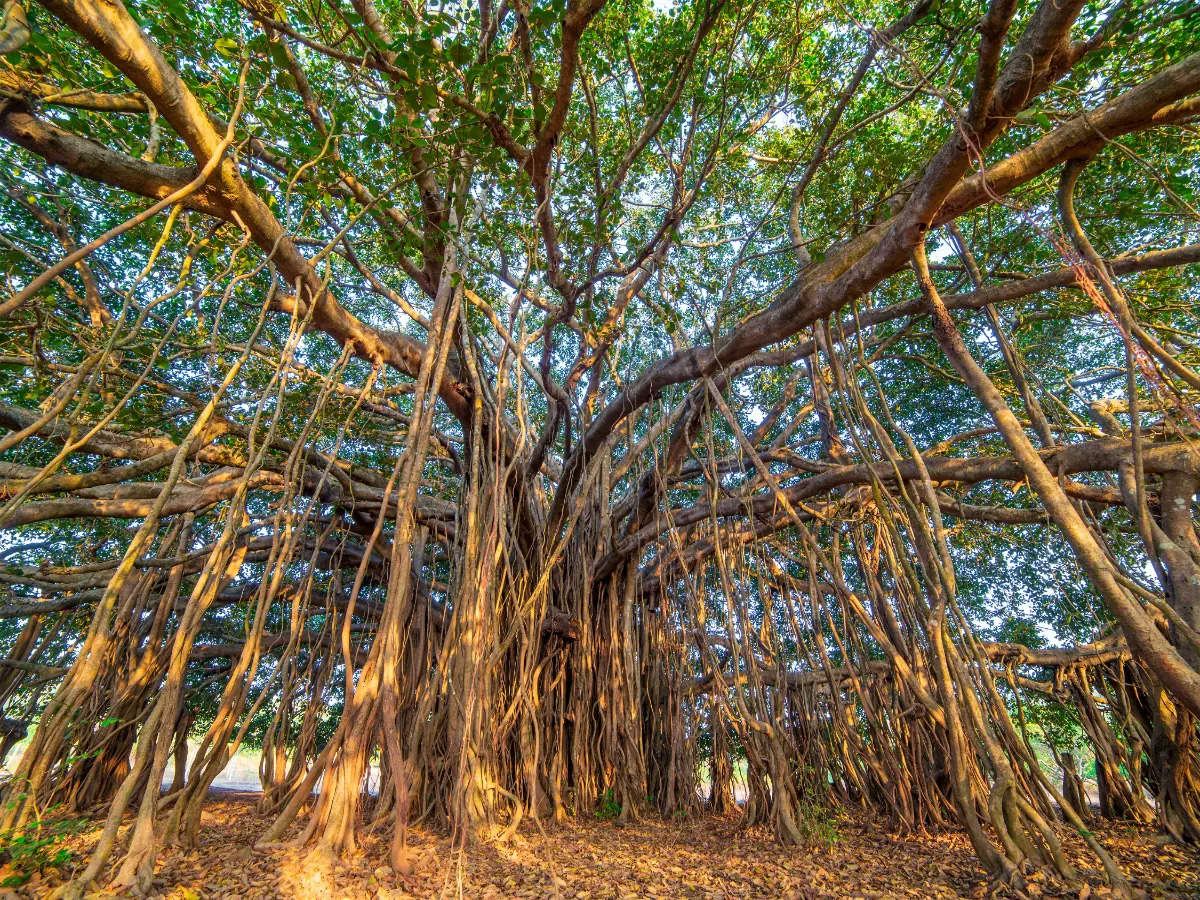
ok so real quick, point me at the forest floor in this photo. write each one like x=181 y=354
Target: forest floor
x=701 y=858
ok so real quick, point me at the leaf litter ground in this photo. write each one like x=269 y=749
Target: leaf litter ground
x=595 y=860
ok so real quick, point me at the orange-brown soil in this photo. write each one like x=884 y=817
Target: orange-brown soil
x=702 y=858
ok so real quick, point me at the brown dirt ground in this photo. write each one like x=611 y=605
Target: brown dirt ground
x=702 y=858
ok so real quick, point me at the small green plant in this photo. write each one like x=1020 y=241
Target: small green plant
x=817 y=824
x=607 y=808
x=35 y=847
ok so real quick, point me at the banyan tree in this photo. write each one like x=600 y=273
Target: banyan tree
x=488 y=410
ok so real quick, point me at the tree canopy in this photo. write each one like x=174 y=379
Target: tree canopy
x=572 y=401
